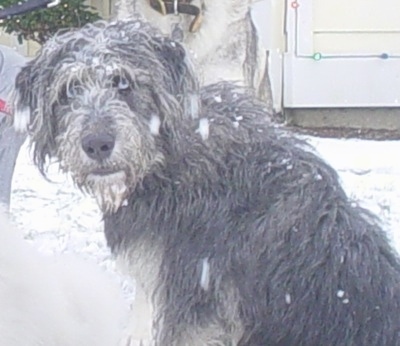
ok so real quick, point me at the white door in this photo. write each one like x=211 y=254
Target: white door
x=342 y=53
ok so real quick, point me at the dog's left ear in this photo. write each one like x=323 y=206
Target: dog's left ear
x=181 y=79
x=173 y=55
x=23 y=101
x=176 y=61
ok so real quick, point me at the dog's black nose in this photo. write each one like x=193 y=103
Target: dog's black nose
x=98 y=146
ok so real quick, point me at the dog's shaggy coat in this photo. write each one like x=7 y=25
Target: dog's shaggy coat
x=237 y=232
x=54 y=301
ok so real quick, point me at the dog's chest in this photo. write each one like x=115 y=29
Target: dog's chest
x=134 y=234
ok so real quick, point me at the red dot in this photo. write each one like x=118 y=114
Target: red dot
x=295 y=4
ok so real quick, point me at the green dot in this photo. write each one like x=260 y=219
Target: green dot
x=317 y=56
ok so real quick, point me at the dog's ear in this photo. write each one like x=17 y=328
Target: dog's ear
x=180 y=77
x=32 y=109
x=176 y=61
x=23 y=101
x=172 y=55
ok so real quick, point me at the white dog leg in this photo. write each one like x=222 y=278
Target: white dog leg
x=142 y=317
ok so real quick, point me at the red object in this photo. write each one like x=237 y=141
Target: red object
x=4 y=107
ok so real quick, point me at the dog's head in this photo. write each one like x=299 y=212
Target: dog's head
x=98 y=99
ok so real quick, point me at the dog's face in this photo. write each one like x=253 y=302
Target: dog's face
x=99 y=100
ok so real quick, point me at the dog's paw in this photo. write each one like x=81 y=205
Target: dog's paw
x=135 y=342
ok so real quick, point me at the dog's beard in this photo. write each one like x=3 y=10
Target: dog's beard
x=110 y=191
x=111 y=183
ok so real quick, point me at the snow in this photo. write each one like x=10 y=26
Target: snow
x=340 y=294
x=205 y=274
x=204 y=128
x=57 y=217
x=155 y=123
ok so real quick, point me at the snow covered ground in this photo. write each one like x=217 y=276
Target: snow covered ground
x=58 y=218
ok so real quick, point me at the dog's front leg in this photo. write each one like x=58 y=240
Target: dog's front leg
x=142 y=320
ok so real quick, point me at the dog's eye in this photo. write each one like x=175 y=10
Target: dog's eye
x=121 y=83
x=69 y=92
x=65 y=95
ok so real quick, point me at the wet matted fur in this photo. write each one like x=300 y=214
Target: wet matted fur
x=237 y=233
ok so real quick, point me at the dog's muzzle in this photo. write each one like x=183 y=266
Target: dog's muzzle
x=176 y=7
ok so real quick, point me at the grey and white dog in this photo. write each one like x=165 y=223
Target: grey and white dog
x=236 y=232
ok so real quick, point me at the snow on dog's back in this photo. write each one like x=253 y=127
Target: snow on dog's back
x=60 y=300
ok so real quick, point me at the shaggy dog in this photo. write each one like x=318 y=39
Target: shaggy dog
x=54 y=301
x=217 y=32
x=237 y=233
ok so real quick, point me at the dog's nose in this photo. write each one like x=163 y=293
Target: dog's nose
x=98 y=146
